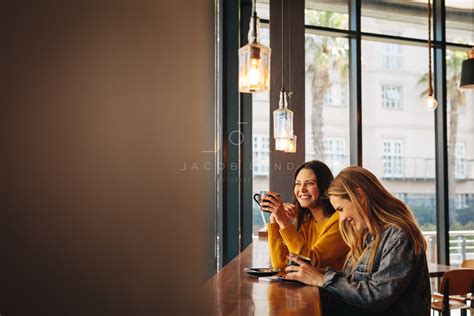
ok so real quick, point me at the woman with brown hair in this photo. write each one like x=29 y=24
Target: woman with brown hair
x=308 y=227
x=386 y=269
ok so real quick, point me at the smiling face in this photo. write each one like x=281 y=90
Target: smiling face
x=306 y=188
x=348 y=212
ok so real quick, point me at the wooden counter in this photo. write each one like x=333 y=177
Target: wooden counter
x=236 y=293
x=233 y=292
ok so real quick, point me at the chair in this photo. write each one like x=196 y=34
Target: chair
x=454 y=282
x=467 y=263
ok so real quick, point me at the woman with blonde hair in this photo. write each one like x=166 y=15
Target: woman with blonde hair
x=386 y=269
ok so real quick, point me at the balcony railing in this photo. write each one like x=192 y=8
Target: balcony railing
x=461 y=246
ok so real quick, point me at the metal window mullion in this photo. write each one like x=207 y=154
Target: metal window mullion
x=442 y=192
x=246 y=149
x=219 y=130
x=355 y=83
x=231 y=107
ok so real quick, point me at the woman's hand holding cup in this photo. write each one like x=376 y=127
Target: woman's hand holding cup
x=282 y=213
x=303 y=271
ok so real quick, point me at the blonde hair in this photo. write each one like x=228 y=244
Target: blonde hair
x=379 y=211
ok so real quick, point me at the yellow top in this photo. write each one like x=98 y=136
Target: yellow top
x=322 y=242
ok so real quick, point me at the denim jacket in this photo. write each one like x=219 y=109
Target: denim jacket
x=399 y=283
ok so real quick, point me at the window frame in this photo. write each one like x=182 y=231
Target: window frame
x=393 y=160
x=234 y=232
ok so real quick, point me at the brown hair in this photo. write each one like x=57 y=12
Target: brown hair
x=324 y=178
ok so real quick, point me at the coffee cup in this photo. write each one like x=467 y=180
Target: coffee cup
x=259 y=197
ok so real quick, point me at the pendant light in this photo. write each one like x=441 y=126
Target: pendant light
x=254 y=60
x=282 y=123
x=285 y=140
x=430 y=102
x=467 y=71
x=291 y=146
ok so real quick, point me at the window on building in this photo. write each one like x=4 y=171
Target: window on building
x=261 y=155
x=461 y=201
x=328 y=97
x=336 y=95
x=393 y=158
x=344 y=93
x=392 y=56
x=391 y=97
x=335 y=154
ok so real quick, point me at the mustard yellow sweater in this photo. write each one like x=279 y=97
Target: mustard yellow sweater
x=322 y=242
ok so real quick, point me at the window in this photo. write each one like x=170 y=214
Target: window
x=461 y=201
x=328 y=97
x=460 y=163
x=326 y=102
x=261 y=155
x=393 y=158
x=344 y=93
x=391 y=97
x=395 y=17
x=460 y=139
x=394 y=123
x=261 y=135
x=326 y=14
x=336 y=95
x=392 y=56
x=335 y=154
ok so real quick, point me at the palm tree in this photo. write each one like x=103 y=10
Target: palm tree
x=456 y=99
x=324 y=53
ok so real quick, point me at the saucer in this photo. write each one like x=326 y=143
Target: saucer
x=260 y=272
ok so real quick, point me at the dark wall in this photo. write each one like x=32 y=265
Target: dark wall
x=103 y=102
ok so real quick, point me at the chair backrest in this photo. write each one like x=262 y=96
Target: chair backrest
x=468 y=263
x=461 y=281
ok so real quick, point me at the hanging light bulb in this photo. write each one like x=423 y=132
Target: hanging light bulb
x=254 y=60
x=430 y=103
x=282 y=120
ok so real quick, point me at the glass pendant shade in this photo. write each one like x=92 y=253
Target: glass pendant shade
x=287 y=144
x=254 y=62
x=291 y=147
x=467 y=71
x=431 y=103
x=282 y=119
x=281 y=144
